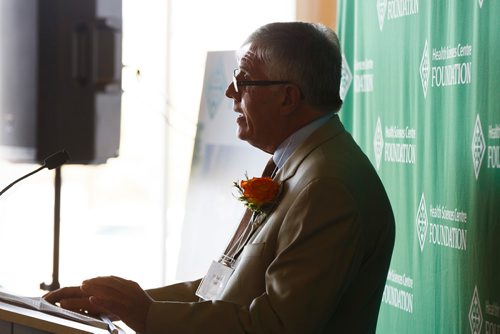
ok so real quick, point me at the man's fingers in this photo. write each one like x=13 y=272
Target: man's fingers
x=63 y=293
x=109 y=285
x=76 y=304
x=94 y=288
x=74 y=299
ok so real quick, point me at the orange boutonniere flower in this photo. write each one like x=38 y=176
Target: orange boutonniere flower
x=258 y=193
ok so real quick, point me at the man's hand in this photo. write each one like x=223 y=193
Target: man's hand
x=120 y=297
x=74 y=299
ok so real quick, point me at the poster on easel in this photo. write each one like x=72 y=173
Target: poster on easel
x=212 y=210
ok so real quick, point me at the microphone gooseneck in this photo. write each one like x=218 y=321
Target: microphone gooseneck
x=53 y=161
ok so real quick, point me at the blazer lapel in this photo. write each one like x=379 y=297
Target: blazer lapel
x=330 y=129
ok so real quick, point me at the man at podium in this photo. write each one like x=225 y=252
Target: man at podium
x=312 y=253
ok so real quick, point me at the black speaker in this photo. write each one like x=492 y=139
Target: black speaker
x=60 y=79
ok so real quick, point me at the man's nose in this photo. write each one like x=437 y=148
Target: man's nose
x=231 y=92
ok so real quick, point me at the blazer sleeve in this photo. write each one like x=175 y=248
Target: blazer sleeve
x=320 y=249
x=180 y=292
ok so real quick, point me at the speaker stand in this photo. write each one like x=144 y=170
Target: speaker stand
x=54 y=285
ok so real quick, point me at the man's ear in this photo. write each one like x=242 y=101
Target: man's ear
x=291 y=99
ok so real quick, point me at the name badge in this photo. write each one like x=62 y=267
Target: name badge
x=214 y=282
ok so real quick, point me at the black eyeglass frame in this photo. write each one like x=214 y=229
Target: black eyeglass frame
x=241 y=83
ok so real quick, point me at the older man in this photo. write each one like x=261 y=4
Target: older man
x=314 y=257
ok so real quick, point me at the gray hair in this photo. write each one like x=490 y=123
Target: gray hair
x=308 y=54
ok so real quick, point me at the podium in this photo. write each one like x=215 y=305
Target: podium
x=19 y=320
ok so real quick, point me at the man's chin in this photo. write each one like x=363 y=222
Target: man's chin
x=242 y=134
x=249 y=140
x=242 y=137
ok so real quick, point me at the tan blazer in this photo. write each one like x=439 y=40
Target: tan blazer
x=317 y=264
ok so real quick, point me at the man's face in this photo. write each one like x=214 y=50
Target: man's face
x=257 y=106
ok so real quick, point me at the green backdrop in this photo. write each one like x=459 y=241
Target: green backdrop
x=421 y=89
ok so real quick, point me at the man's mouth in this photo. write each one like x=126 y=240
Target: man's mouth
x=240 y=118
x=240 y=114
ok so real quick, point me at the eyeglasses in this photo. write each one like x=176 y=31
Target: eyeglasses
x=241 y=83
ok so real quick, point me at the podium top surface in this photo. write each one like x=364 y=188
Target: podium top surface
x=45 y=322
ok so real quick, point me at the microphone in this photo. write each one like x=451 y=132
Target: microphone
x=56 y=160
x=53 y=161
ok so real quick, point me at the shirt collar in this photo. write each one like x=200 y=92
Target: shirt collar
x=288 y=146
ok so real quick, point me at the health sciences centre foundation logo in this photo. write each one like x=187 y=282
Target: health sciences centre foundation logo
x=422 y=222
x=394 y=144
x=487 y=317
x=378 y=143
x=475 y=313
x=445 y=66
x=481 y=149
x=362 y=78
x=441 y=225
x=346 y=79
x=395 y=9
x=424 y=69
x=478 y=146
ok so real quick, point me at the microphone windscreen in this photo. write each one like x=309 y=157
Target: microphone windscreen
x=56 y=160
